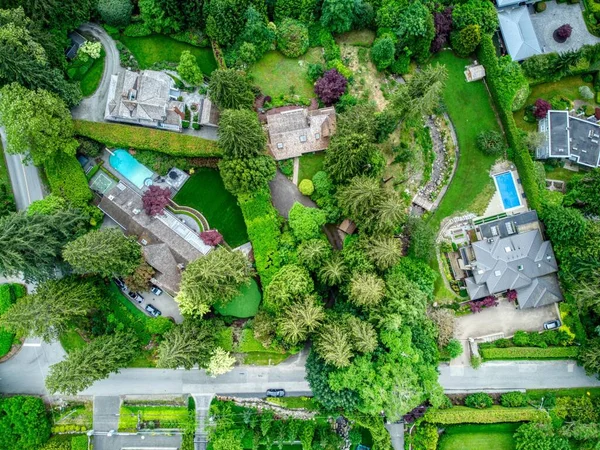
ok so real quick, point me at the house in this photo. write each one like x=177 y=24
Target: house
x=295 y=132
x=517 y=31
x=77 y=41
x=511 y=254
x=570 y=137
x=168 y=245
x=148 y=98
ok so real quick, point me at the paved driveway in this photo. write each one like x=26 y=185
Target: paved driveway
x=284 y=194
x=164 y=303
x=106 y=413
x=140 y=441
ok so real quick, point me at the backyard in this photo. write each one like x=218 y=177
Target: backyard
x=277 y=75
x=158 y=48
x=244 y=305
x=310 y=164
x=205 y=192
x=475 y=437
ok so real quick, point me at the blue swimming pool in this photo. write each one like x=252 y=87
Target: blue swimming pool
x=505 y=183
x=130 y=168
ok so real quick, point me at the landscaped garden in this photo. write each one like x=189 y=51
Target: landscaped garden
x=244 y=305
x=497 y=436
x=310 y=164
x=149 y=417
x=91 y=80
x=205 y=192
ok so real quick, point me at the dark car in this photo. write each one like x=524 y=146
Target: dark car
x=552 y=324
x=120 y=283
x=136 y=296
x=156 y=290
x=153 y=311
x=275 y=392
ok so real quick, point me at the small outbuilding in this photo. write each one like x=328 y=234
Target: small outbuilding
x=347 y=227
x=474 y=72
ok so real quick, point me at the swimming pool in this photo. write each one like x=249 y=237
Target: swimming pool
x=130 y=168
x=505 y=183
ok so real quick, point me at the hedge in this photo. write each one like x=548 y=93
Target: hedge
x=142 y=138
x=66 y=179
x=503 y=101
x=529 y=353
x=495 y=414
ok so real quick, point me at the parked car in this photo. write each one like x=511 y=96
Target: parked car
x=552 y=324
x=275 y=392
x=136 y=296
x=156 y=290
x=153 y=311
x=119 y=282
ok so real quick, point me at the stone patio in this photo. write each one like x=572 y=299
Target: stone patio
x=556 y=15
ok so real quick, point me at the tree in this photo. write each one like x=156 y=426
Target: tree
x=211 y=237
x=584 y=192
x=562 y=33
x=475 y=12
x=229 y=89
x=306 y=187
x=466 y=40
x=422 y=94
x=313 y=253
x=240 y=135
x=415 y=30
x=217 y=276
x=31 y=244
x=161 y=16
x=491 y=142
x=106 y=251
x=404 y=302
x=226 y=440
x=49 y=205
x=188 y=68
x=422 y=240
x=225 y=20
x=363 y=335
x=366 y=289
x=289 y=284
x=330 y=86
x=257 y=32
x=24 y=423
x=116 y=13
x=541 y=108
x=350 y=155
x=383 y=251
x=454 y=348
x=589 y=356
x=246 y=175
x=155 y=200
x=49 y=311
x=186 y=345
x=220 y=362
x=442 y=22
x=292 y=38
x=306 y=222
x=333 y=271
x=382 y=52
x=300 y=319
x=38 y=121
x=139 y=280
x=95 y=361
x=564 y=225
x=444 y=320
x=333 y=345
x=337 y=15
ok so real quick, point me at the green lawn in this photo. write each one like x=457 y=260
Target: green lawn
x=205 y=192
x=275 y=74
x=91 y=79
x=559 y=173
x=310 y=164
x=476 y=437
x=166 y=416
x=157 y=48
x=244 y=305
x=71 y=340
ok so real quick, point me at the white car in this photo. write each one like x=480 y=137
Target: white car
x=156 y=290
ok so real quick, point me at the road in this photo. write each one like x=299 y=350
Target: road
x=24 y=178
x=92 y=107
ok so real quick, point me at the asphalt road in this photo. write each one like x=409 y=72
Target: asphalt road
x=24 y=178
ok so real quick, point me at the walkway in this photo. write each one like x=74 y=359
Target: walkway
x=202 y=408
x=284 y=194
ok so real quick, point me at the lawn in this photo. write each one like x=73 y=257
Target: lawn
x=559 y=173
x=157 y=48
x=74 y=414
x=310 y=164
x=244 y=305
x=276 y=75
x=71 y=340
x=91 y=79
x=475 y=437
x=163 y=416
x=205 y=192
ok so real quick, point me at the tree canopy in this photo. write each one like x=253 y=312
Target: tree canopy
x=229 y=89
x=24 y=424
x=241 y=135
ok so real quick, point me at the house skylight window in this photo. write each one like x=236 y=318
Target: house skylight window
x=507 y=249
x=520 y=267
x=317 y=135
x=498 y=273
x=280 y=145
x=303 y=138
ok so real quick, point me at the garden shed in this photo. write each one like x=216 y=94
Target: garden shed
x=474 y=72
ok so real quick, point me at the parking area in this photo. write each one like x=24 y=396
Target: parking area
x=163 y=302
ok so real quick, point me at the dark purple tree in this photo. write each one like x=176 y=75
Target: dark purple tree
x=489 y=301
x=511 y=295
x=443 y=26
x=330 y=87
x=211 y=237
x=562 y=33
x=155 y=199
x=541 y=108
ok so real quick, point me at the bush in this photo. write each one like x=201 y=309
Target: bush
x=137 y=30
x=513 y=399
x=382 y=52
x=67 y=180
x=79 y=442
x=401 y=66
x=495 y=414
x=479 y=400
x=330 y=87
x=518 y=353
x=115 y=12
x=564 y=32
x=141 y=138
x=465 y=41
x=89 y=147
x=306 y=187
x=541 y=108
x=292 y=38
x=454 y=348
x=491 y=142
x=586 y=93
x=540 y=7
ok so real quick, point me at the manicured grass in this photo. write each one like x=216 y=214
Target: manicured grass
x=71 y=340
x=90 y=81
x=475 y=437
x=205 y=192
x=469 y=107
x=167 y=416
x=275 y=74
x=559 y=173
x=225 y=339
x=537 y=394
x=516 y=353
x=310 y=164
x=256 y=353
x=265 y=358
x=78 y=414
x=157 y=48
x=244 y=305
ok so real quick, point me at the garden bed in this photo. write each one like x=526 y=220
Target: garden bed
x=151 y=417
x=495 y=414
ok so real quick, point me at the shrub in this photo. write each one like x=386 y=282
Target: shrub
x=586 y=93
x=518 y=353
x=330 y=87
x=314 y=72
x=292 y=38
x=67 y=180
x=479 y=400
x=513 y=399
x=306 y=187
x=465 y=41
x=401 y=66
x=137 y=30
x=495 y=414
x=475 y=362
x=454 y=348
x=306 y=222
x=540 y=7
x=564 y=32
x=541 y=108
x=115 y=12
x=211 y=237
x=491 y=142
x=382 y=52
x=79 y=442
x=6 y=341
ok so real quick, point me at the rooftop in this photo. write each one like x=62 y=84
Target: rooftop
x=518 y=33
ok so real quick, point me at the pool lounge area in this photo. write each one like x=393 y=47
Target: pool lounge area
x=506 y=185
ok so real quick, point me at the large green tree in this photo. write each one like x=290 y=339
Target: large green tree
x=337 y=15
x=564 y=225
x=241 y=135
x=333 y=345
x=229 y=89
x=106 y=251
x=225 y=20
x=242 y=176
x=37 y=122
x=366 y=289
x=116 y=13
x=24 y=423
x=216 y=277
x=306 y=222
x=350 y=155
x=95 y=361
x=162 y=16
x=415 y=30
x=290 y=284
x=188 y=68
x=187 y=345
x=584 y=192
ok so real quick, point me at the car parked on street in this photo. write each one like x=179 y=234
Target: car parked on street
x=275 y=392
x=552 y=324
x=153 y=311
x=136 y=296
x=156 y=290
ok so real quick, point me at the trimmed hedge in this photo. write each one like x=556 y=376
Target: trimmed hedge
x=142 y=138
x=496 y=79
x=495 y=414
x=66 y=179
x=529 y=353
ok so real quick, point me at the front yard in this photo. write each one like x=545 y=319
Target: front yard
x=475 y=437
x=310 y=164
x=244 y=305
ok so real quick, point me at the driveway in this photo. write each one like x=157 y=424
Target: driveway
x=148 y=441
x=106 y=413
x=92 y=107
x=284 y=194
x=164 y=303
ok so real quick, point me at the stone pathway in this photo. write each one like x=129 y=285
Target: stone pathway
x=296 y=171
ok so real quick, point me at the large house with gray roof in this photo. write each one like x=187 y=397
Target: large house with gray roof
x=511 y=254
x=517 y=30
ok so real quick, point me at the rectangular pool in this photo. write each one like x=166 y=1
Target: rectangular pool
x=130 y=168
x=507 y=187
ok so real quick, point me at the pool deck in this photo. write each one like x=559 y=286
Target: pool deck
x=496 y=206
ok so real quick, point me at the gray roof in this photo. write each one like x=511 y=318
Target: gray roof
x=570 y=137
x=509 y=225
x=162 y=259
x=542 y=291
x=505 y=3
x=518 y=33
